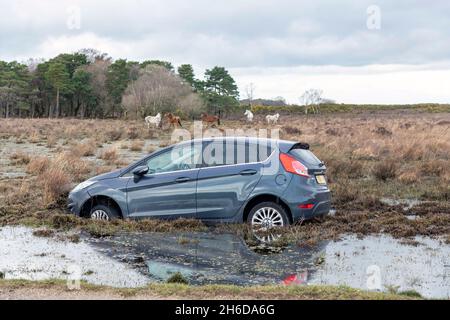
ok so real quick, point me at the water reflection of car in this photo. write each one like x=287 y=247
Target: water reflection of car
x=261 y=181
x=214 y=257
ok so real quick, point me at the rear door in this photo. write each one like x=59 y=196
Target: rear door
x=229 y=174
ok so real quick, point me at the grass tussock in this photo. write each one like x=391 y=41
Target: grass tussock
x=137 y=145
x=109 y=155
x=19 y=158
x=55 y=183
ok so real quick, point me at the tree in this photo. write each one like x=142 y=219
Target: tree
x=59 y=78
x=14 y=80
x=161 y=63
x=83 y=91
x=159 y=90
x=249 y=92
x=220 y=89
x=100 y=107
x=311 y=99
x=186 y=72
x=117 y=78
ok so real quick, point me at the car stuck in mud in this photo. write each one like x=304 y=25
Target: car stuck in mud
x=267 y=183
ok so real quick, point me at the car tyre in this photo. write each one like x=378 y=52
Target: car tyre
x=267 y=215
x=102 y=212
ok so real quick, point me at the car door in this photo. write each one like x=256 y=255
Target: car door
x=224 y=186
x=169 y=189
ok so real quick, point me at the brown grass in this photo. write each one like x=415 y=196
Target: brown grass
x=85 y=149
x=109 y=155
x=55 y=183
x=38 y=165
x=368 y=156
x=19 y=158
x=137 y=145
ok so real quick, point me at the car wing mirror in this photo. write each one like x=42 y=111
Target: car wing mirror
x=140 y=171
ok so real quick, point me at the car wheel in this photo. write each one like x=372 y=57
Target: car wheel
x=104 y=213
x=267 y=215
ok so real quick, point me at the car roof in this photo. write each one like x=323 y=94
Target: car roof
x=283 y=145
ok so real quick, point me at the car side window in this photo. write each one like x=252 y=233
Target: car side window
x=175 y=159
x=228 y=152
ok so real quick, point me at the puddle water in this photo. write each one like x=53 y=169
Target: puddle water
x=406 y=203
x=135 y=259
x=226 y=258
x=24 y=256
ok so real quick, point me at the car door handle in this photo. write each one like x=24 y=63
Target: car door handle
x=248 y=172
x=182 y=179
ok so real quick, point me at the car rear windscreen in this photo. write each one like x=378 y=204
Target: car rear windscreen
x=305 y=156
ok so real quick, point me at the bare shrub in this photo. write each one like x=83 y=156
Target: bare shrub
x=292 y=130
x=137 y=145
x=114 y=134
x=109 y=154
x=51 y=141
x=332 y=132
x=85 y=149
x=434 y=168
x=382 y=131
x=56 y=183
x=132 y=133
x=19 y=158
x=73 y=165
x=385 y=170
x=409 y=176
x=38 y=165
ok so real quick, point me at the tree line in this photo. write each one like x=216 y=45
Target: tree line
x=90 y=84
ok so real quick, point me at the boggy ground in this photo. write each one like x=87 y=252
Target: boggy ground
x=372 y=159
x=56 y=289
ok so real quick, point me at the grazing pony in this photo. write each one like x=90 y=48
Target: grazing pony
x=249 y=115
x=174 y=121
x=209 y=119
x=272 y=119
x=156 y=120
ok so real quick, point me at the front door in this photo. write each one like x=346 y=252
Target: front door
x=169 y=189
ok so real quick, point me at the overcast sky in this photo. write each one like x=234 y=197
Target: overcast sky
x=356 y=51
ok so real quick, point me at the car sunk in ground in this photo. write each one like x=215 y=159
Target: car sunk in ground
x=264 y=182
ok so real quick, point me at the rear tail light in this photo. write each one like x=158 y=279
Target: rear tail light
x=306 y=206
x=292 y=165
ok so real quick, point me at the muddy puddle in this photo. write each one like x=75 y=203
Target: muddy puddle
x=25 y=256
x=136 y=259
x=374 y=262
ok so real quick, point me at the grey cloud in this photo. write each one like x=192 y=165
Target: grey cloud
x=239 y=33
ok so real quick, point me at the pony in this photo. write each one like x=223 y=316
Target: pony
x=209 y=119
x=174 y=121
x=249 y=115
x=272 y=119
x=156 y=120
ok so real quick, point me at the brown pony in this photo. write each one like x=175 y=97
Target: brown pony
x=210 y=119
x=174 y=121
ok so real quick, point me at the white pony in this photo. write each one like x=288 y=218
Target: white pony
x=156 y=120
x=249 y=115
x=272 y=119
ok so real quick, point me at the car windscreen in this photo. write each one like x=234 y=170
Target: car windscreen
x=305 y=156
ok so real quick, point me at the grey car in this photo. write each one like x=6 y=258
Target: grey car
x=264 y=182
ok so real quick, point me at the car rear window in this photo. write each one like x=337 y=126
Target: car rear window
x=305 y=156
